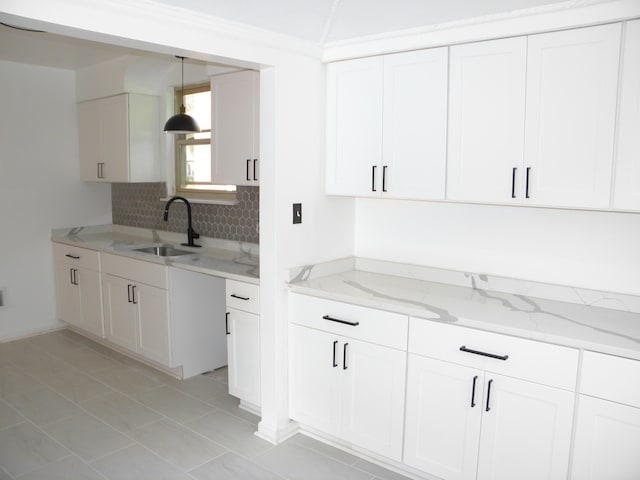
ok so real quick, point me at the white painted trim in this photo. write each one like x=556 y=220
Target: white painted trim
x=276 y=435
x=559 y=16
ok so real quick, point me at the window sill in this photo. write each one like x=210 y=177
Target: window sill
x=206 y=201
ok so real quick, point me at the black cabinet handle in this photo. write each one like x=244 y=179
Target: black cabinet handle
x=98 y=166
x=344 y=356
x=75 y=276
x=346 y=322
x=373 y=178
x=484 y=354
x=71 y=276
x=254 y=169
x=513 y=182
x=526 y=194
x=384 y=178
x=129 y=293
x=72 y=256
x=487 y=408
x=473 y=392
x=133 y=295
x=226 y=323
x=248 y=162
x=239 y=297
x=335 y=344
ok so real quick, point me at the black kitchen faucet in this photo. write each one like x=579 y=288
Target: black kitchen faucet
x=191 y=234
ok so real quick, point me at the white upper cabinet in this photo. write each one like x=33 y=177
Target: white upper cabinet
x=235 y=136
x=570 y=116
x=354 y=126
x=414 y=133
x=386 y=125
x=626 y=190
x=486 y=120
x=119 y=139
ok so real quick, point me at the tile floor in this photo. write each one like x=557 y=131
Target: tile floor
x=73 y=409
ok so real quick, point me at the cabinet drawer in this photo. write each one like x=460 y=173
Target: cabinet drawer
x=368 y=324
x=80 y=257
x=611 y=378
x=243 y=296
x=527 y=359
x=148 y=273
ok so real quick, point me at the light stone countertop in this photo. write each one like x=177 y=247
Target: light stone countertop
x=467 y=300
x=221 y=258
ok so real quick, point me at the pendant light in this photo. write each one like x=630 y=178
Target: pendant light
x=181 y=122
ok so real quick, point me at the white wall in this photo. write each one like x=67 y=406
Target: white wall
x=40 y=189
x=598 y=250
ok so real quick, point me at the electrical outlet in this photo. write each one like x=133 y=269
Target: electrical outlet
x=297 y=213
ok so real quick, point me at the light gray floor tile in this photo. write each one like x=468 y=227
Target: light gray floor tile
x=175 y=405
x=4 y=475
x=88 y=437
x=232 y=467
x=231 y=432
x=121 y=412
x=220 y=375
x=14 y=380
x=9 y=415
x=297 y=463
x=378 y=471
x=137 y=463
x=177 y=444
x=201 y=387
x=39 y=363
x=125 y=380
x=76 y=386
x=24 y=448
x=73 y=336
x=230 y=405
x=68 y=468
x=328 y=450
x=53 y=343
x=42 y=405
x=87 y=360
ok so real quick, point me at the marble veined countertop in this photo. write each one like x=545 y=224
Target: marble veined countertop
x=222 y=258
x=466 y=300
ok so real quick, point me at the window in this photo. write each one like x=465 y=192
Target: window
x=193 y=151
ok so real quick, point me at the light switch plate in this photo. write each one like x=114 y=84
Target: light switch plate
x=297 y=213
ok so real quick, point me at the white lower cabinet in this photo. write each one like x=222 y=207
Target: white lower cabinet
x=341 y=384
x=78 y=288
x=607 y=440
x=137 y=313
x=464 y=423
x=243 y=342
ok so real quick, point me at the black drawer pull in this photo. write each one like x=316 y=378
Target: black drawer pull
x=239 y=297
x=346 y=322
x=344 y=356
x=72 y=256
x=226 y=323
x=129 y=293
x=484 y=354
x=335 y=344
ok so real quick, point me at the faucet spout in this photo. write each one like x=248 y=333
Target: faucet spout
x=191 y=234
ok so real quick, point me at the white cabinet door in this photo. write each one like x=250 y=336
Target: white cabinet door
x=115 y=138
x=373 y=381
x=414 y=125
x=626 y=189
x=67 y=294
x=354 y=126
x=607 y=441
x=89 y=141
x=526 y=430
x=235 y=100
x=243 y=350
x=444 y=406
x=119 y=311
x=152 y=315
x=570 y=117
x=315 y=379
x=90 y=301
x=486 y=120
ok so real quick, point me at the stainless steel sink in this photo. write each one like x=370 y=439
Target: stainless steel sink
x=162 y=251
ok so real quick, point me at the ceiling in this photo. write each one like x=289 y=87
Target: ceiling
x=317 y=21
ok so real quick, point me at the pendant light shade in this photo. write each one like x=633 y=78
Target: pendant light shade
x=181 y=122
